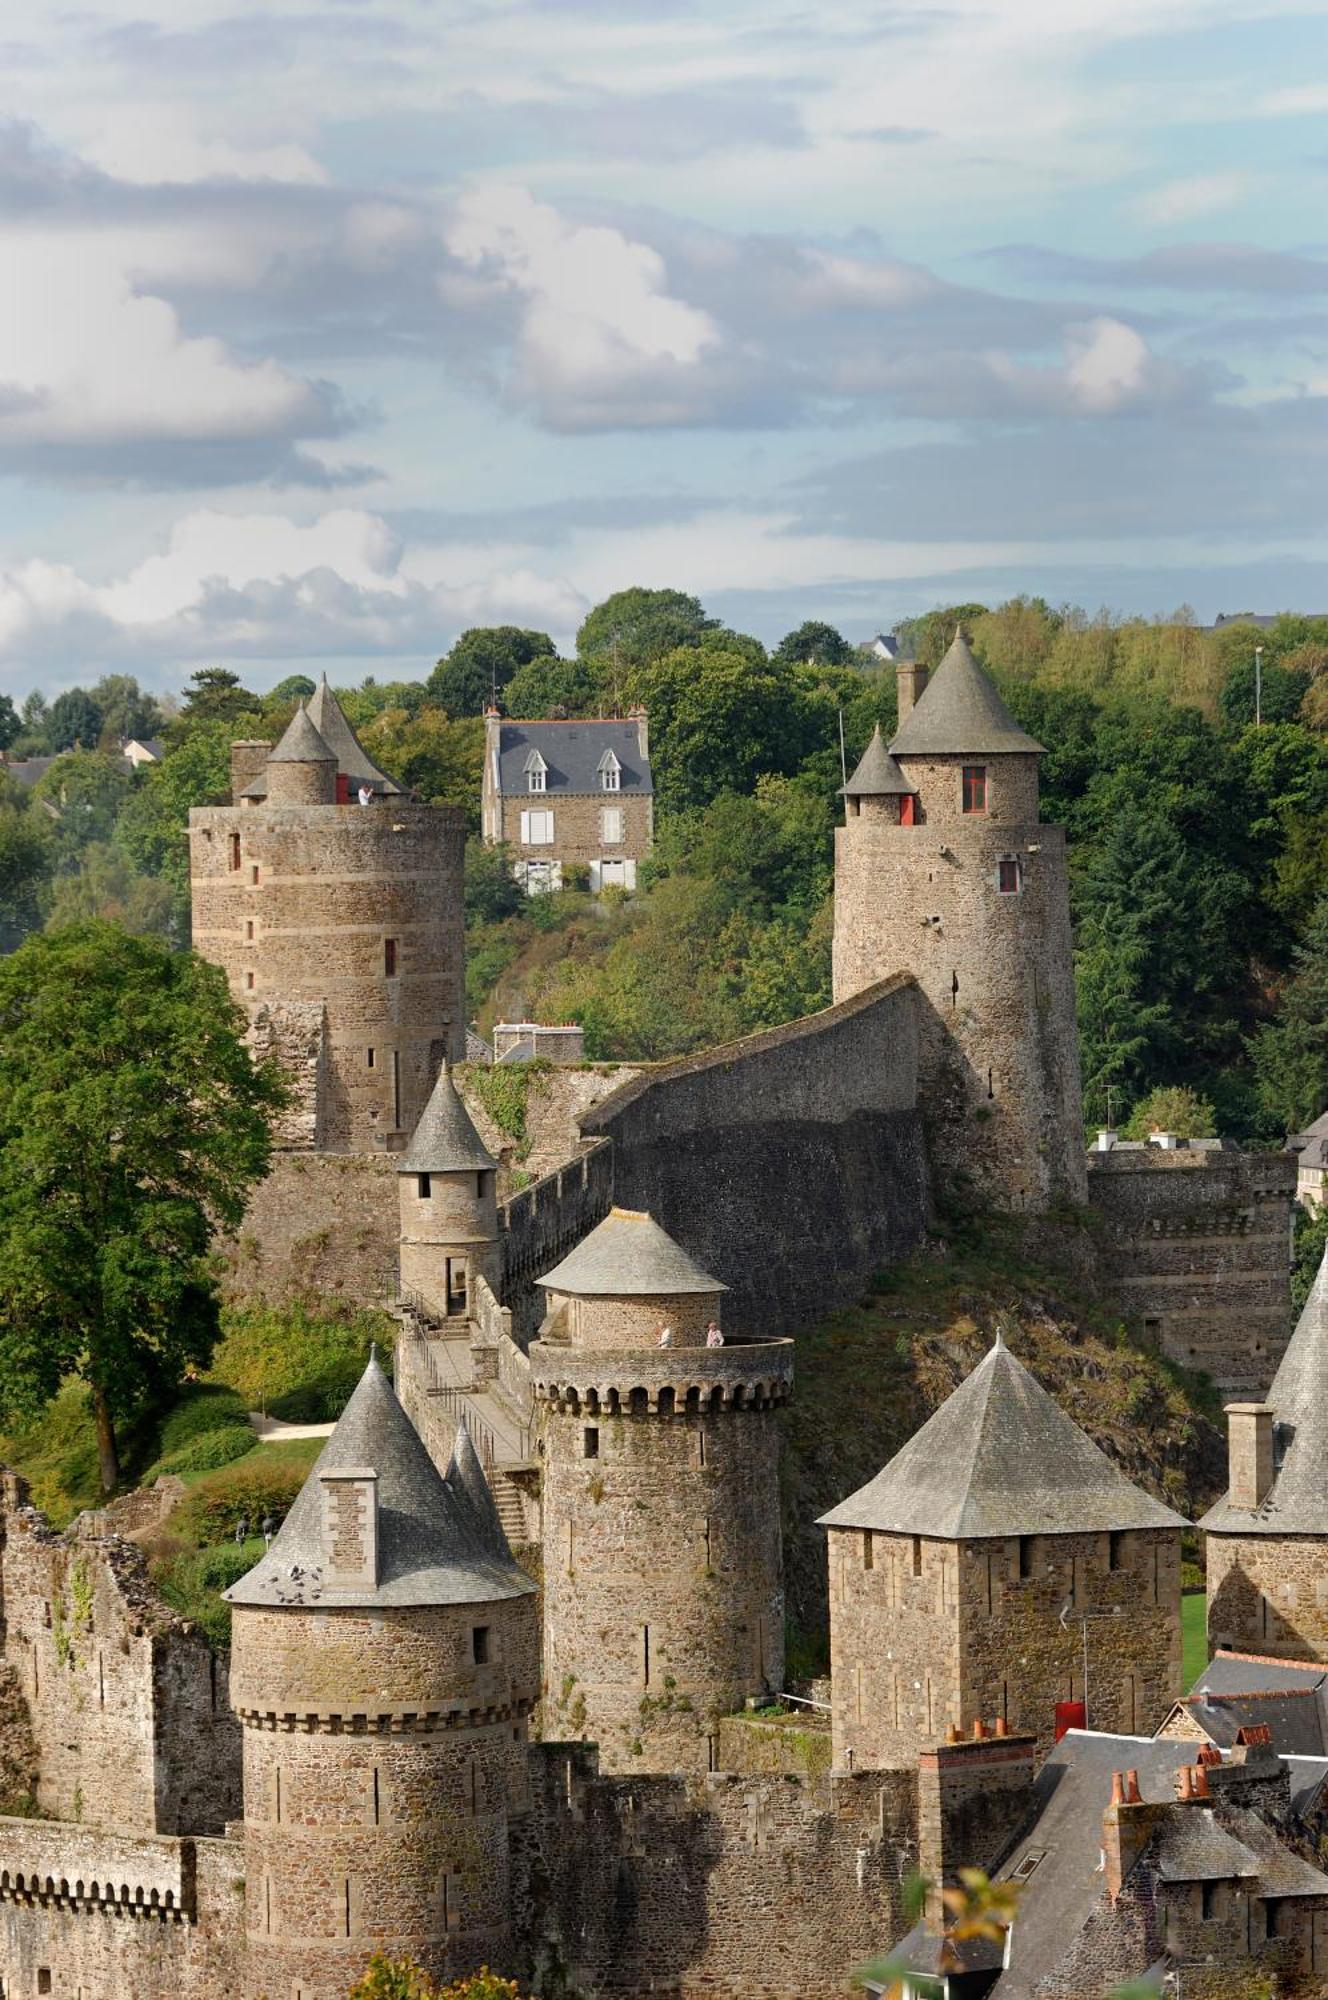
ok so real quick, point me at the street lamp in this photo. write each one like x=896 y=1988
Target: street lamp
x=1258 y=687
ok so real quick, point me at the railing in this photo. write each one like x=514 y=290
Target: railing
x=459 y=1405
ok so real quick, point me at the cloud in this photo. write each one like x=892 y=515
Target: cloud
x=1186 y=267
x=156 y=142
x=1187 y=199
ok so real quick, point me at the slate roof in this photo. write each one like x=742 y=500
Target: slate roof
x=1194 y=1848
x=573 y=753
x=628 y=1256
x=877 y=774
x=1312 y=1143
x=433 y=1548
x=1000 y=1457
x=465 y=1475
x=1293 y=1715
x=445 y=1140
x=1297 y=1502
x=1257 y=1673
x=960 y=713
x=354 y=763
x=301 y=743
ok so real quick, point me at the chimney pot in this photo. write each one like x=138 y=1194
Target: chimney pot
x=979 y=1729
x=1185 y=1782
x=1200 y=1787
x=1002 y=1726
x=952 y=1732
x=1117 y=1789
x=1132 y=1797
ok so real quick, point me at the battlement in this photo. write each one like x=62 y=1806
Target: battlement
x=388 y=1722
x=57 y=1866
x=670 y=1381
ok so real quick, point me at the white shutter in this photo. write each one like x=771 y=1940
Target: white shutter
x=594 y=874
x=525 y=828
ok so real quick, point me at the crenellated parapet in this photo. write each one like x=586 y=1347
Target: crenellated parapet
x=674 y=1381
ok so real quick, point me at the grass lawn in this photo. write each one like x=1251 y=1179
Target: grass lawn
x=1193 y=1636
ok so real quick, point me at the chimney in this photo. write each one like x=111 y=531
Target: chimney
x=1105 y=1141
x=350 y=1528
x=974 y=1795
x=1249 y=1454
x=910 y=684
x=1168 y=1141
x=642 y=721
x=248 y=761
x=1126 y=1827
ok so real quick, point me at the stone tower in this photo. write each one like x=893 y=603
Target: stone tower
x=943 y=869
x=338 y=925
x=972 y=1579
x=447 y=1184
x=384 y=1660
x=663 y=1585
x=1268 y=1534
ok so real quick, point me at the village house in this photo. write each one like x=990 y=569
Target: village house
x=569 y=794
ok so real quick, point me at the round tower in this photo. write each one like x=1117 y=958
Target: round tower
x=384 y=1661
x=943 y=869
x=447 y=1186
x=341 y=920
x=663 y=1570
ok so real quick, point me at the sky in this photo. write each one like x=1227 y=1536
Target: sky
x=328 y=330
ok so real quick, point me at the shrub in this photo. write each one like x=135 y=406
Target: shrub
x=298 y=1360
x=203 y=1408
x=401 y=1979
x=206 y=1453
x=210 y=1512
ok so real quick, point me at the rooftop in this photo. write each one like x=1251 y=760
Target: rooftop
x=572 y=753
x=328 y=720
x=301 y=743
x=445 y=1140
x=435 y=1546
x=999 y=1457
x=628 y=1256
x=1297 y=1502
x=959 y=713
x=877 y=774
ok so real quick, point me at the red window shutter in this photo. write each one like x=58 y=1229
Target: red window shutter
x=907 y=809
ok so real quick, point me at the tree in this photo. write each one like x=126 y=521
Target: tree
x=9 y=721
x=492 y=891
x=813 y=642
x=153 y=822
x=25 y=863
x=634 y=628
x=74 y=721
x=1291 y=1052
x=482 y=662
x=126 y=711
x=295 y=687
x=1280 y=692
x=84 y=791
x=133 y=1123
x=214 y=694
x=719 y=719
x=106 y=884
x=929 y=638
x=1172 y=1108
x=440 y=759
x=553 y=687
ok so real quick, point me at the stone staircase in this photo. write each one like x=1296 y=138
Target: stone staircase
x=499 y=1429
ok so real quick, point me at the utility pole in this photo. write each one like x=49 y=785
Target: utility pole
x=1258 y=687
x=843 y=761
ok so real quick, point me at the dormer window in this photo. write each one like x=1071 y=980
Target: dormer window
x=610 y=773
x=537 y=773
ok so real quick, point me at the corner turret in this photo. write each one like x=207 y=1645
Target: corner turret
x=302 y=770
x=447 y=1187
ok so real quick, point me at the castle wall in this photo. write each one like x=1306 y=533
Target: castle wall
x=790 y=1164
x=663 y=1574
x=541 y=1223
x=1268 y=1594
x=758 y=1888
x=356 y=908
x=1199 y=1251
x=320 y=1223
x=127 y=1702
x=999 y=1054
x=925 y=1634
x=97 y=1916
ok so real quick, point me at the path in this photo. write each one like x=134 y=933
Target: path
x=271 y=1430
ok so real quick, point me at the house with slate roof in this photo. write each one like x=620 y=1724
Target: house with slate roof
x=563 y=793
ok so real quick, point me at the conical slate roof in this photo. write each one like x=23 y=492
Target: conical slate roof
x=628 y=1256
x=432 y=1546
x=301 y=743
x=1000 y=1457
x=445 y=1141
x=465 y=1475
x=877 y=773
x=1297 y=1502
x=959 y=713
x=353 y=762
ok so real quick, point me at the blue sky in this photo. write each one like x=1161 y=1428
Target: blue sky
x=328 y=330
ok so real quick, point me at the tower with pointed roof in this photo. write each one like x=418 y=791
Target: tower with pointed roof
x=997 y=1566
x=663 y=1575
x=1267 y=1537
x=384 y=1663
x=943 y=869
x=447 y=1185
x=339 y=922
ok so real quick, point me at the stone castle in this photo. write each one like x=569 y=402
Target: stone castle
x=590 y=1371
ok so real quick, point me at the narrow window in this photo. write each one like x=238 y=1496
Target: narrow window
x=1115 y=1551
x=426 y=1186
x=479 y=1645
x=1270 y=1920
x=954 y=989
x=249 y=929
x=1152 y=1332
x=868 y=1556
x=908 y=810
x=1207 y=1900
x=249 y=982
x=253 y=874
x=348 y=1906
x=592 y=1441
x=390 y=957
x=396 y=1087
x=368 y=1058
x=235 y=850
x=1025 y=1556
x=44 y=1979
x=1007 y=875
x=645 y=1656
x=917 y=1555
x=975 y=788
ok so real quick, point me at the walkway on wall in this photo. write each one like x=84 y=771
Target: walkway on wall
x=501 y=1430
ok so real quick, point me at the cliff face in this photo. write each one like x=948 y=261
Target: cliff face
x=869 y=1376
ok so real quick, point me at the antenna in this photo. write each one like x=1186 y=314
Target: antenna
x=843 y=761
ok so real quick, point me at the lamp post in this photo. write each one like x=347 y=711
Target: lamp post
x=1258 y=687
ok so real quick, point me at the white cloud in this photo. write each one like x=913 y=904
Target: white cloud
x=148 y=143
x=1195 y=195
x=1304 y=100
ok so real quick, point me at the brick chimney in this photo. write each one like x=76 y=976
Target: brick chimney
x=974 y=1796
x=350 y=1527
x=1249 y=1454
x=910 y=684
x=642 y=721
x=248 y=761
x=1126 y=1826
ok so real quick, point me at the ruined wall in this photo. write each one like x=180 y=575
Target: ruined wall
x=96 y=1916
x=759 y=1888
x=1199 y=1251
x=790 y=1164
x=293 y=1035
x=323 y=1223
x=1269 y=1594
x=127 y=1702
x=928 y=1633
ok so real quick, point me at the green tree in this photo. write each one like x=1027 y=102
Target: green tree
x=126 y=710
x=634 y=628
x=133 y=1123
x=719 y=718
x=813 y=643
x=9 y=721
x=106 y=884
x=1291 y=1052
x=152 y=828
x=492 y=891
x=74 y=720
x=26 y=861
x=84 y=791
x=295 y=687
x=1172 y=1108
x=429 y=753
x=554 y=687
x=482 y=662
x=215 y=694
x=928 y=638
x=1280 y=691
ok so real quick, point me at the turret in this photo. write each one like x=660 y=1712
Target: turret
x=663 y=1581
x=991 y=1560
x=447 y=1181
x=384 y=1662
x=942 y=869
x=1268 y=1534
x=302 y=770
